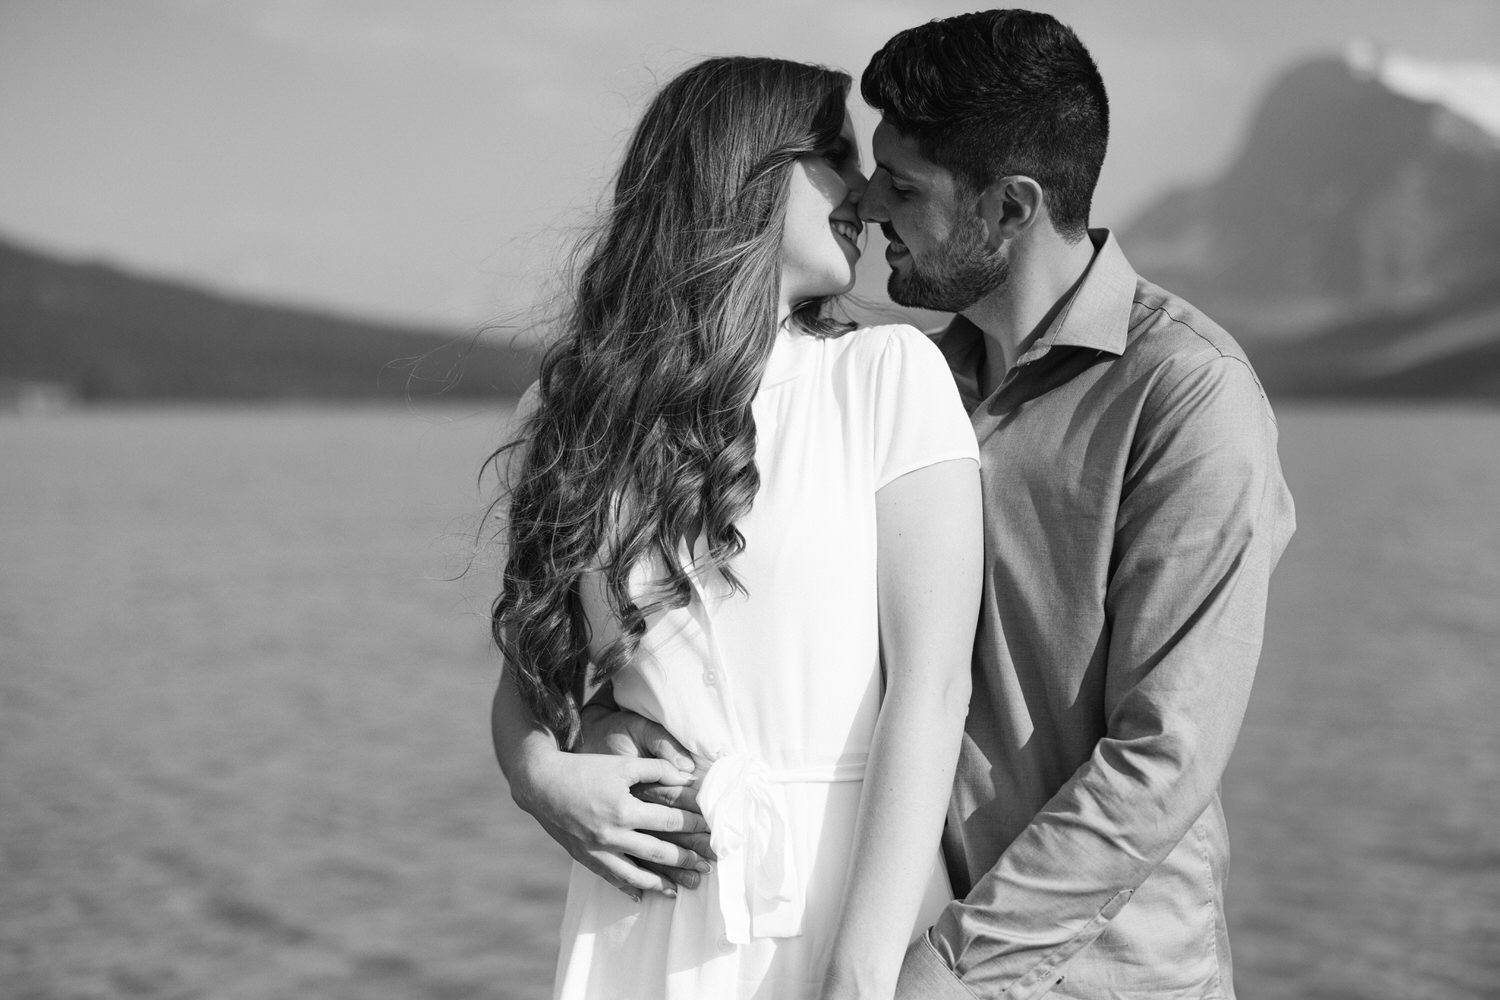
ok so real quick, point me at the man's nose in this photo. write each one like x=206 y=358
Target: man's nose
x=872 y=201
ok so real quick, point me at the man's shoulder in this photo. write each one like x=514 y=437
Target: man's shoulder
x=1169 y=333
x=1165 y=325
x=1172 y=344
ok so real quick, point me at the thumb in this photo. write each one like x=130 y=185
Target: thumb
x=654 y=739
x=651 y=771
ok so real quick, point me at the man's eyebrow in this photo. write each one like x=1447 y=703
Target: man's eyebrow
x=893 y=171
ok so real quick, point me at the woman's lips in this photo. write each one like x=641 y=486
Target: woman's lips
x=846 y=231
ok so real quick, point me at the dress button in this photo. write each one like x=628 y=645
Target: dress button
x=710 y=678
x=719 y=752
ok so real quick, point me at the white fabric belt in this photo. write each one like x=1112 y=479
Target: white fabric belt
x=761 y=893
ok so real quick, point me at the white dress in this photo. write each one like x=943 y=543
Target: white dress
x=776 y=692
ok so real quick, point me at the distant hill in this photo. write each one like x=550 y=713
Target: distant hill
x=1366 y=183
x=1354 y=244
x=93 y=332
x=1450 y=350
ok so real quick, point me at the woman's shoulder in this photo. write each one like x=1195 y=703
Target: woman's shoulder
x=529 y=402
x=886 y=335
x=891 y=348
x=884 y=344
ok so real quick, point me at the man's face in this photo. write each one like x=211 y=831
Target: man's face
x=938 y=255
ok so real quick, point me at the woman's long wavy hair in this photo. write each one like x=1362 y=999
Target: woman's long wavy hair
x=643 y=435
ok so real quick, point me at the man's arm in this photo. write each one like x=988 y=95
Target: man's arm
x=593 y=803
x=1204 y=519
x=609 y=729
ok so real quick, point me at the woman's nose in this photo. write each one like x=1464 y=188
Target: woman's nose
x=857 y=182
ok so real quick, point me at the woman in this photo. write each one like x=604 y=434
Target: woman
x=763 y=530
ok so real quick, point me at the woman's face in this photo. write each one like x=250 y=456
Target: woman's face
x=820 y=243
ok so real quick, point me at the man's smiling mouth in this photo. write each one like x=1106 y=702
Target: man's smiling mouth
x=896 y=246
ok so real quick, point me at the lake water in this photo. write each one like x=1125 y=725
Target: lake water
x=244 y=689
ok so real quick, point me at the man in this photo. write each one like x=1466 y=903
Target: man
x=1134 y=509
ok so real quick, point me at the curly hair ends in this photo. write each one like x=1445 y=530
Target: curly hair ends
x=643 y=436
x=996 y=93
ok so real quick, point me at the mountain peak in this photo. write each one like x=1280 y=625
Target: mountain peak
x=1368 y=181
x=1469 y=90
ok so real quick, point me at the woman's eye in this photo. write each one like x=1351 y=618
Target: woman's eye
x=838 y=154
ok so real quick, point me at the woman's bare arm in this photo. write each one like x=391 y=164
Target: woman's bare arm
x=931 y=551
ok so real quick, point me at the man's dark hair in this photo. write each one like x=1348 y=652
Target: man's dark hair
x=996 y=93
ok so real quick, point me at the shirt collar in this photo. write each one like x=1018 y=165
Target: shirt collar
x=1097 y=315
x=962 y=344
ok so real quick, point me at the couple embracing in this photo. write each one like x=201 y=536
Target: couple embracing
x=862 y=663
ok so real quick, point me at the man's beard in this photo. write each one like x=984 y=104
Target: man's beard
x=961 y=272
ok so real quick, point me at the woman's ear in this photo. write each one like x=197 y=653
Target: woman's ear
x=1009 y=206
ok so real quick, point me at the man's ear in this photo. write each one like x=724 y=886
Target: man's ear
x=1009 y=206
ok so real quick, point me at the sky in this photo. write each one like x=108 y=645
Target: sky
x=426 y=160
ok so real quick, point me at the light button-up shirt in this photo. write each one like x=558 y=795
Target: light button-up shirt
x=1134 y=509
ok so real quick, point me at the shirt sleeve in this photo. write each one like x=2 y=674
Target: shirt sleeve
x=919 y=419
x=1204 y=516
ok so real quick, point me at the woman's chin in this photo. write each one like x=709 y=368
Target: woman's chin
x=830 y=283
x=837 y=288
x=847 y=279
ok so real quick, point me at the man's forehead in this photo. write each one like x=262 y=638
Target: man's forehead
x=900 y=153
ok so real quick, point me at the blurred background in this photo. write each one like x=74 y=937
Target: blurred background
x=268 y=270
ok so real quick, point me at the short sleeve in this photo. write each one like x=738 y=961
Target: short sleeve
x=514 y=460
x=528 y=404
x=918 y=417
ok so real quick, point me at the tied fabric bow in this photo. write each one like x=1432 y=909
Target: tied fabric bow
x=760 y=893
